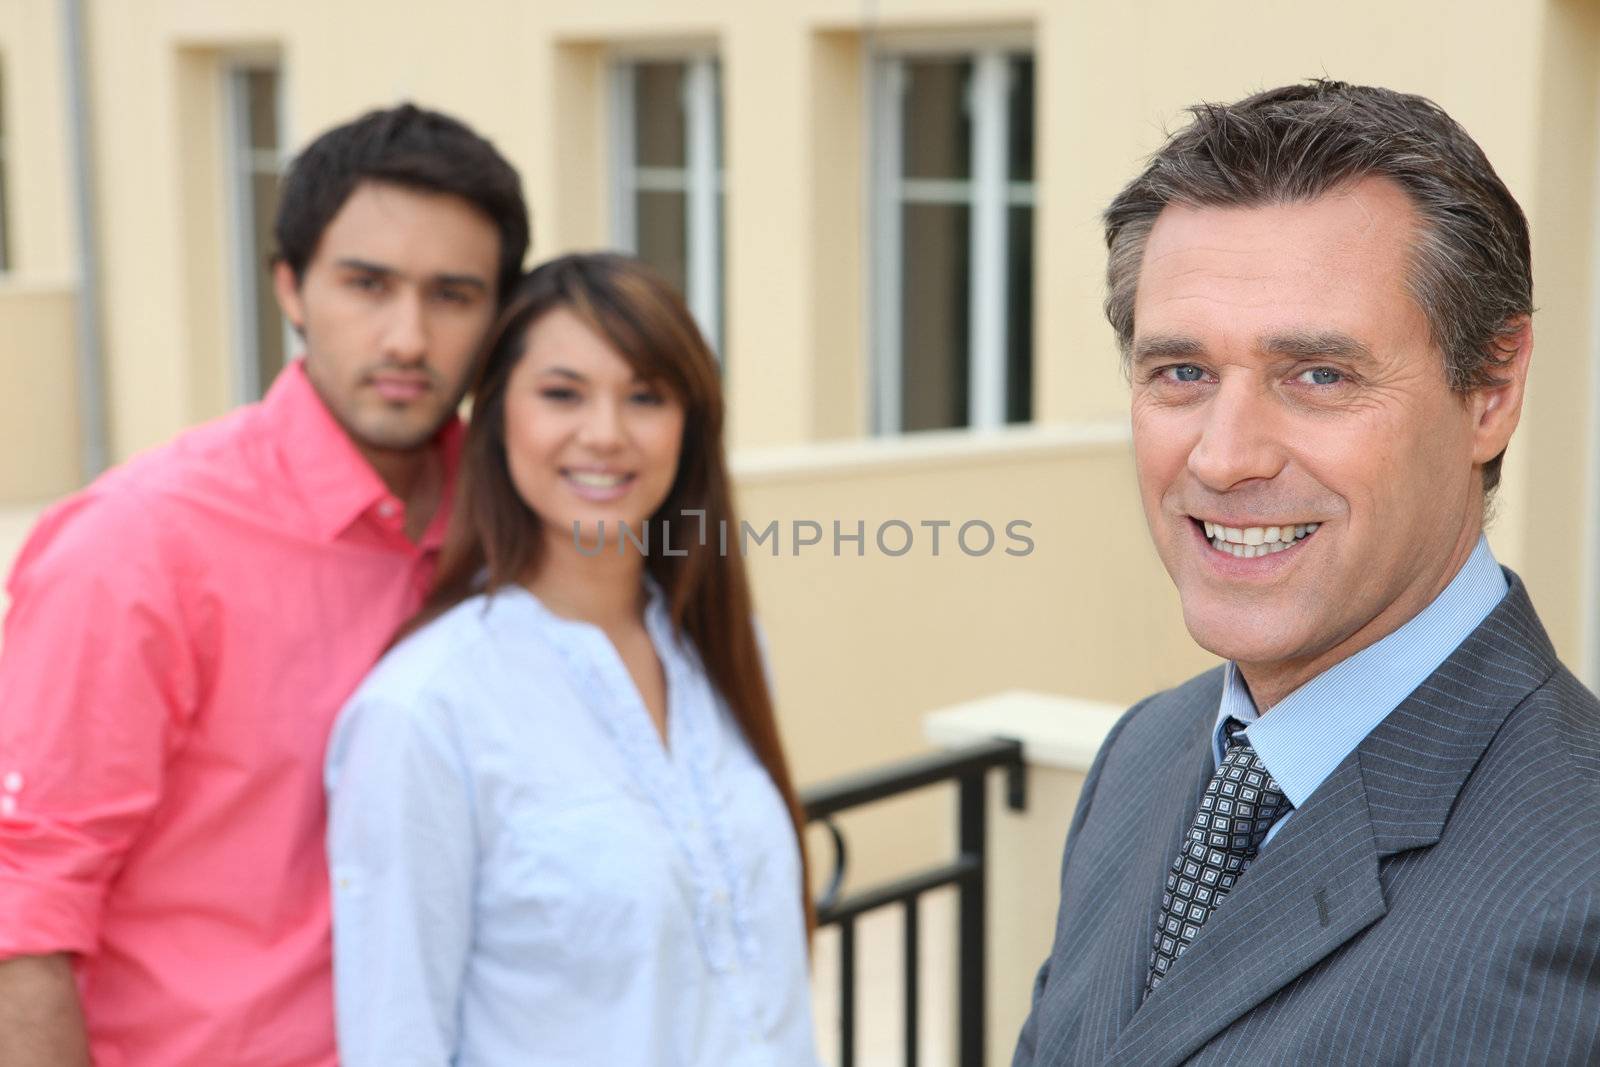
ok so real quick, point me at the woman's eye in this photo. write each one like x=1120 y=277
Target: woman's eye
x=558 y=394
x=647 y=397
x=1322 y=376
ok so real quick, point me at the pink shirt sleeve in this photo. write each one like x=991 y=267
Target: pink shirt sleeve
x=97 y=681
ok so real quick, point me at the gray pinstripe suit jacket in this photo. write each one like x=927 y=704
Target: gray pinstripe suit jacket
x=1435 y=901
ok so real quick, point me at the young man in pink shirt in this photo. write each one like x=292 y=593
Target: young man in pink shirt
x=183 y=631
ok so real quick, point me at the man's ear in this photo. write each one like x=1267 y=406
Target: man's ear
x=287 y=288
x=1497 y=408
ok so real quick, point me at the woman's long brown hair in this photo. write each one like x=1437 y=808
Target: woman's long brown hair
x=495 y=540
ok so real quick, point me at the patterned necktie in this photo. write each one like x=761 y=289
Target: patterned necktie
x=1241 y=803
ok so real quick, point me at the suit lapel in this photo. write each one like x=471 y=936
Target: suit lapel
x=1313 y=890
x=1317 y=885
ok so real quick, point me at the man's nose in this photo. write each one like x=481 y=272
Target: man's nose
x=1241 y=438
x=405 y=338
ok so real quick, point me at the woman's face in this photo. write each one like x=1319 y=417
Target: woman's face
x=587 y=441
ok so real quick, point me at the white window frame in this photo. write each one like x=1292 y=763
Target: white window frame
x=703 y=178
x=241 y=164
x=988 y=192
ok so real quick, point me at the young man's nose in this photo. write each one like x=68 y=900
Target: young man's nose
x=405 y=338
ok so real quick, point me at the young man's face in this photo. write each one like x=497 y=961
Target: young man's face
x=1286 y=389
x=392 y=306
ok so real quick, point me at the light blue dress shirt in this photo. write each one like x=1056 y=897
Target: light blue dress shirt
x=524 y=875
x=1310 y=732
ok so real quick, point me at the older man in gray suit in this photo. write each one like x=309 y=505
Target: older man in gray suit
x=1373 y=836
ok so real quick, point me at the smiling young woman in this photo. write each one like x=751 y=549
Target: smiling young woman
x=561 y=823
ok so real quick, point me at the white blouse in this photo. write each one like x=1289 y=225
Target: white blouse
x=524 y=875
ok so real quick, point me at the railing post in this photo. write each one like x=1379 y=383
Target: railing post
x=912 y=963
x=847 y=993
x=968 y=769
x=973 y=958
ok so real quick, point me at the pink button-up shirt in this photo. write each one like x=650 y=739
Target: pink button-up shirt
x=181 y=636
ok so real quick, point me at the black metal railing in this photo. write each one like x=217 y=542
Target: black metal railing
x=968 y=768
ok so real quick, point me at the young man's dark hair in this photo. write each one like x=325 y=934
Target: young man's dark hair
x=407 y=146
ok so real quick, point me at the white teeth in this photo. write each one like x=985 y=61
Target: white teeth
x=1252 y=541
x=593 y=480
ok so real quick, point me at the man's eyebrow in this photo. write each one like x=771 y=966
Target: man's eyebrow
x=471 y=281
x=1315 y=344
x=1166 y=346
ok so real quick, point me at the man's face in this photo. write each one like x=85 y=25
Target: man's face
x=1285 y=389
x=392 y=306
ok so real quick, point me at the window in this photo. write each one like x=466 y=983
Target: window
x=255 y=164
x=667 y=203
x=952 y=239
x=5 y=162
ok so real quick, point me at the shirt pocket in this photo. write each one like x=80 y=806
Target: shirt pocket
x=587 y=886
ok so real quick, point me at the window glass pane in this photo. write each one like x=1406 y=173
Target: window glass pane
x=933 y=312
x=269 y=321
x=261 y=102
x=1019 y=314
x=718 y=340
x=257 y=167
x=659 y=121
x=5 y=241
x=936 y=119
x=663 y=235
x=1020 y=113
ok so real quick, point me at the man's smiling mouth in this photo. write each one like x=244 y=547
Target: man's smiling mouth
x=1248 y=542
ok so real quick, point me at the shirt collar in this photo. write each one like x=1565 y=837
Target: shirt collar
x=1315 y=727
x=333 y=478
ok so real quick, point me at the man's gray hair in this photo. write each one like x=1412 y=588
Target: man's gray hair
x=1471 y=269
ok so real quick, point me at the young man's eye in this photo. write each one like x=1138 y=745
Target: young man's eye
x=454 y=297
x=366 y=283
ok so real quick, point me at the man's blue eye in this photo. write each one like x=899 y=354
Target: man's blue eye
x=1324 y=376
x=1188 y=373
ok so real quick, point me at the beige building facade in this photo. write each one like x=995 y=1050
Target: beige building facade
x=886 y=216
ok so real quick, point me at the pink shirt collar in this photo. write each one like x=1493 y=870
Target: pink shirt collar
x=336 y=481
